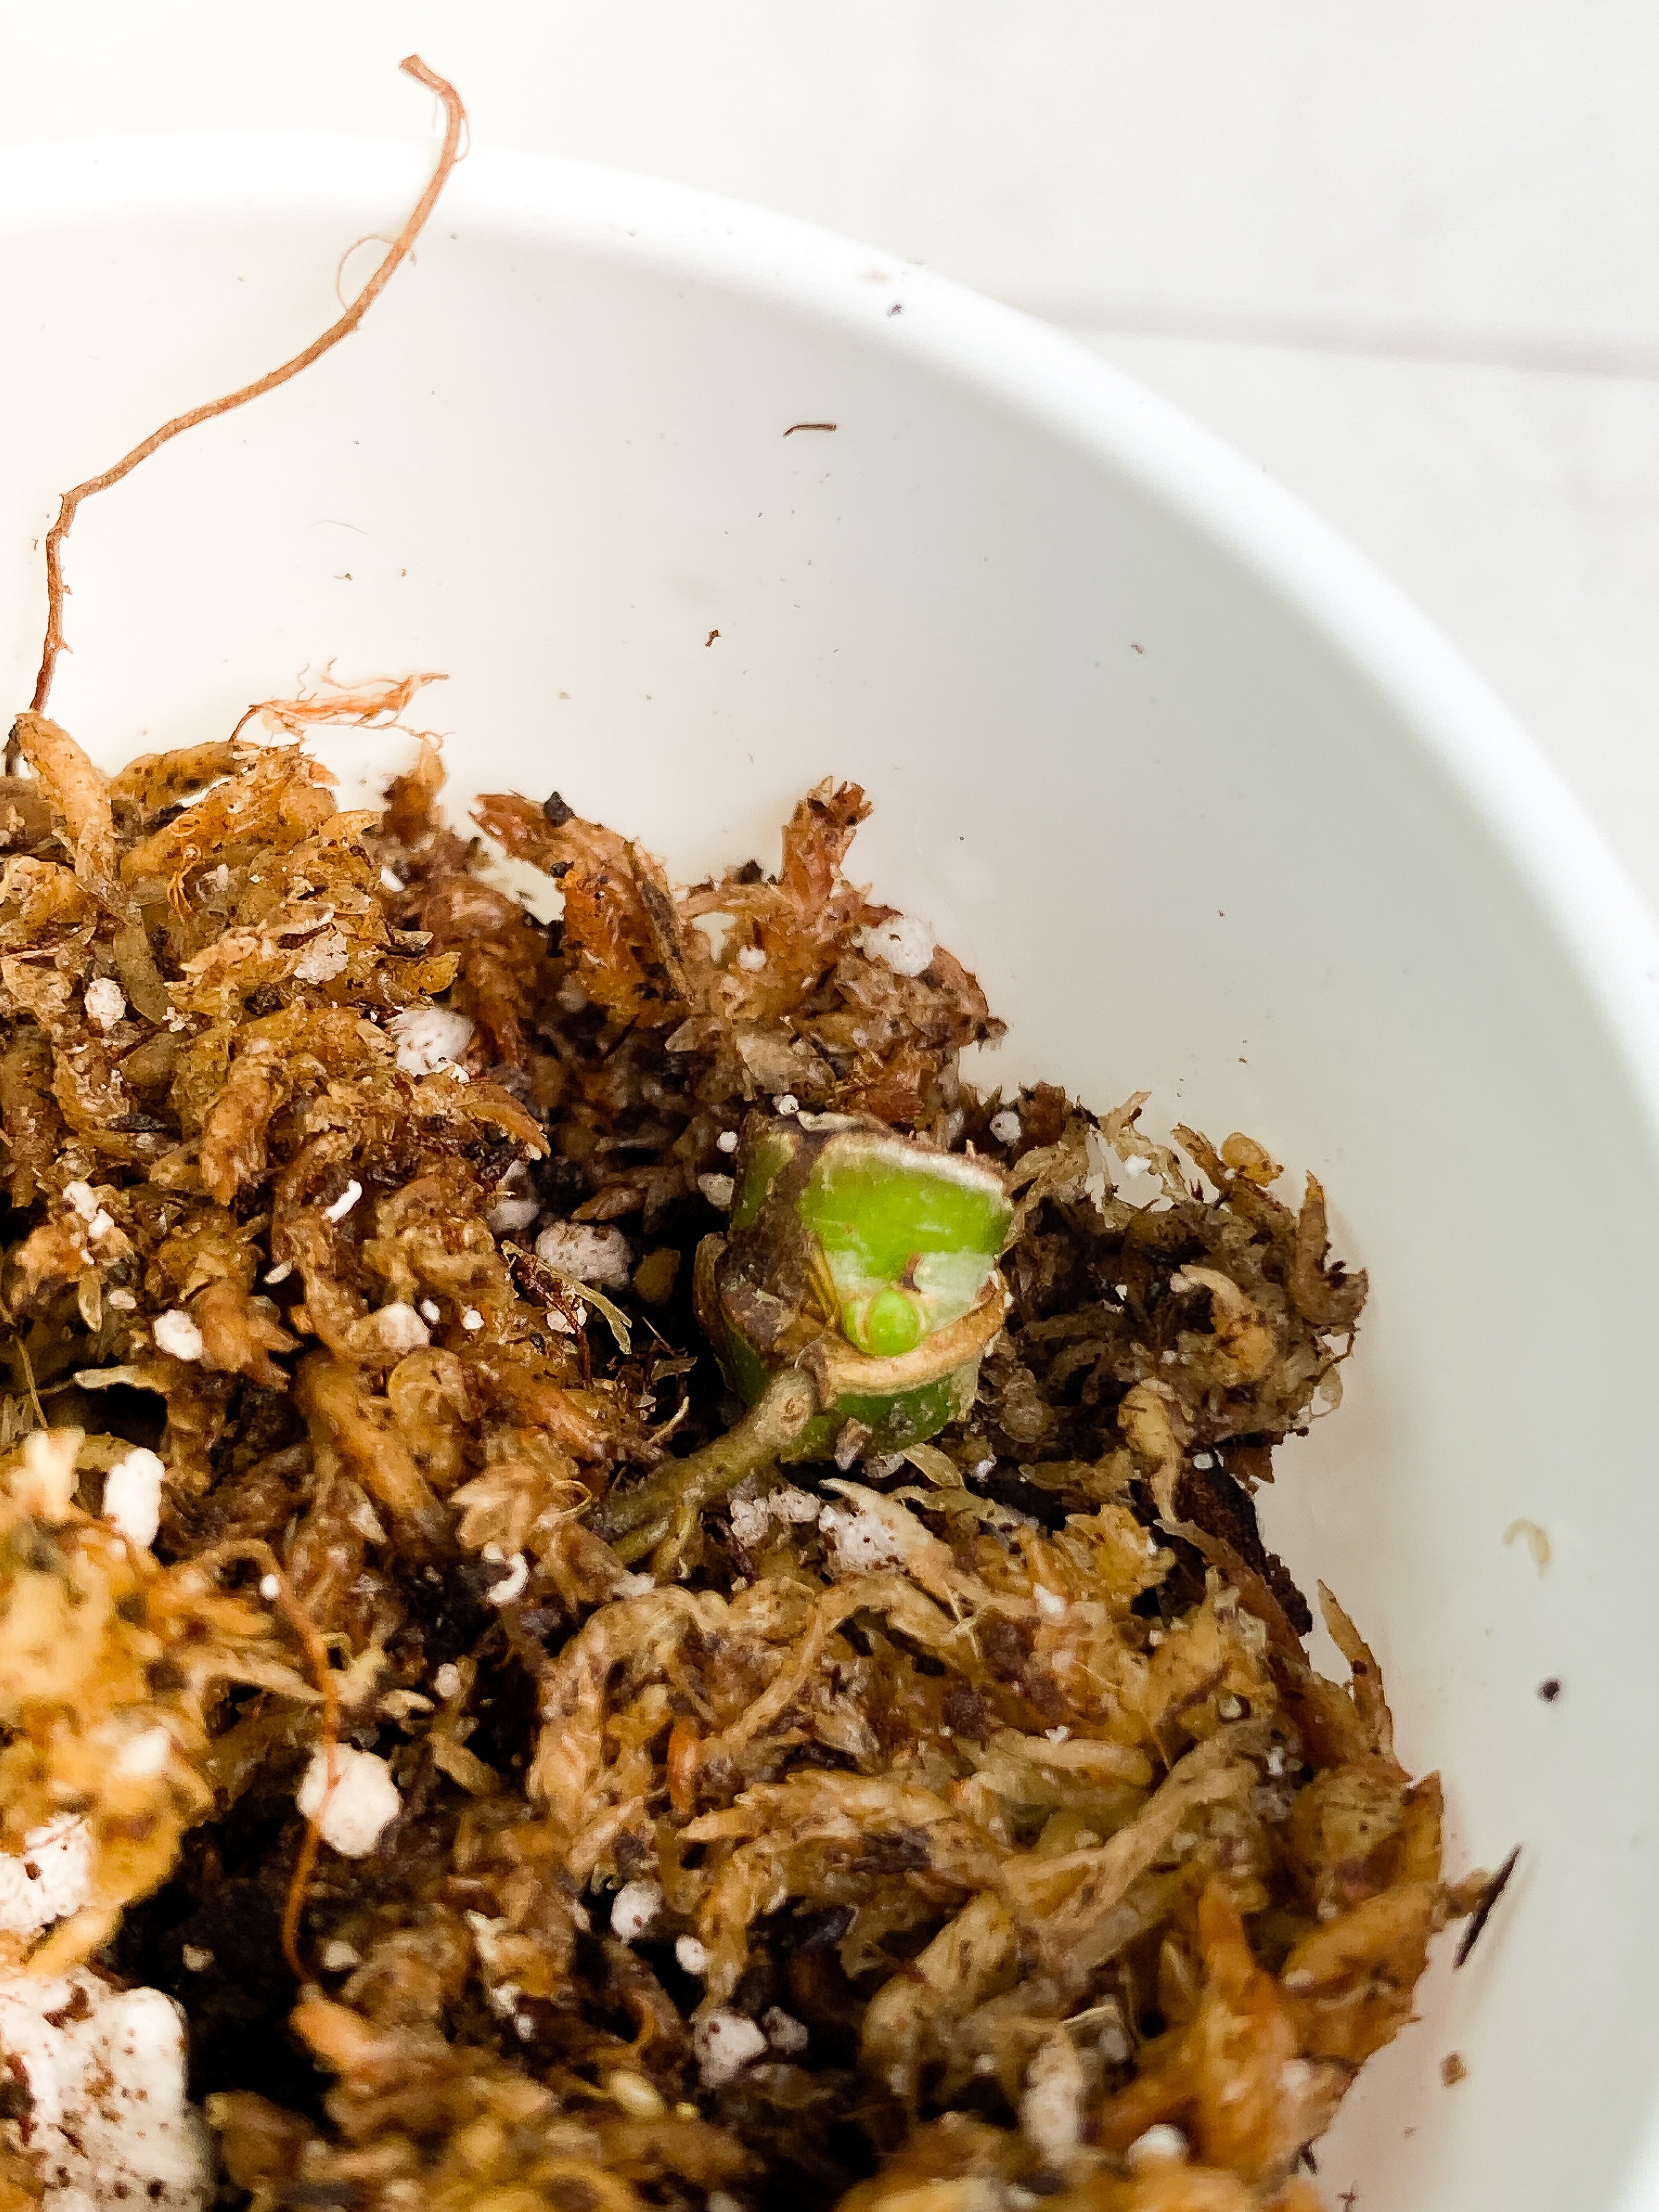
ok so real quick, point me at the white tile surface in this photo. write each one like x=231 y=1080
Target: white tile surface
x=1478 y=173
x=1520 y=508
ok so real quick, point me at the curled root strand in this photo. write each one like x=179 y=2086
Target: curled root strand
x=454 y=128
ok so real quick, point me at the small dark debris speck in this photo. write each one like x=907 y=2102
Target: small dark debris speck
x=826 y=1927
x=904 y=1851
x=555 y=810
x=1549 y=1691
x=1453 y=2071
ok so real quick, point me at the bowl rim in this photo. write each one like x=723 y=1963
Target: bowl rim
x=1601 y=921
x=1603 y=928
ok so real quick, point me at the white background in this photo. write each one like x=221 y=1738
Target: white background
x=1405 y=254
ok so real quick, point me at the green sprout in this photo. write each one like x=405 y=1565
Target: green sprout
x=849 y=1304
x=868 y=1260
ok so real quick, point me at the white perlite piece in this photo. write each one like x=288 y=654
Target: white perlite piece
x=145 y=1753
x=176 y=1333
x=509 y=1216
x=636 y=1909
x=1296 y=2077
x=401 y=1329
x=862 y=1543
x=84 y=1200
x=1049 y=1603
x=590 y=1253
x=717 y=1190
x=429 y=1038
x=50 y=1880
x=343 y=1204
x=367 y=1522
x=751 y=1517
x=132 y=1496
x=472 y=1320
x=361 y=1807
x=750 y=959
x=1112 y=2040
x=1051 y=2107
x=1005 y=1127
x=784 y=2031
x=110 y=2123
x=691 y=1956
x=726 y=1141
x=723 y=2043
x=448 y=1679
x=512 y=1584
x=106 y=1002
x=323 y=958
x=1158 y=2145
x=905 y=943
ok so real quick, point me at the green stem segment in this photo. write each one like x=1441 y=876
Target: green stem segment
x=637 y=1520
x=849 y=1304
x=866 y=1258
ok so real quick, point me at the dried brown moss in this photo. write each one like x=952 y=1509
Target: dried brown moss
x=949 y=1821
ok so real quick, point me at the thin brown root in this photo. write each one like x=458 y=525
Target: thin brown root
x=310 y=1640
x=298 y=1888
x=454 y=124
x=379 y=705
x=27 y=1365
x=329 y=1721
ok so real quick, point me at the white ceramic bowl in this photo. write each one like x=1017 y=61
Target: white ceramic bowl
x=1208 y=808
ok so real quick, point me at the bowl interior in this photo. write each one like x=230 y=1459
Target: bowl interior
x=1207 y=812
